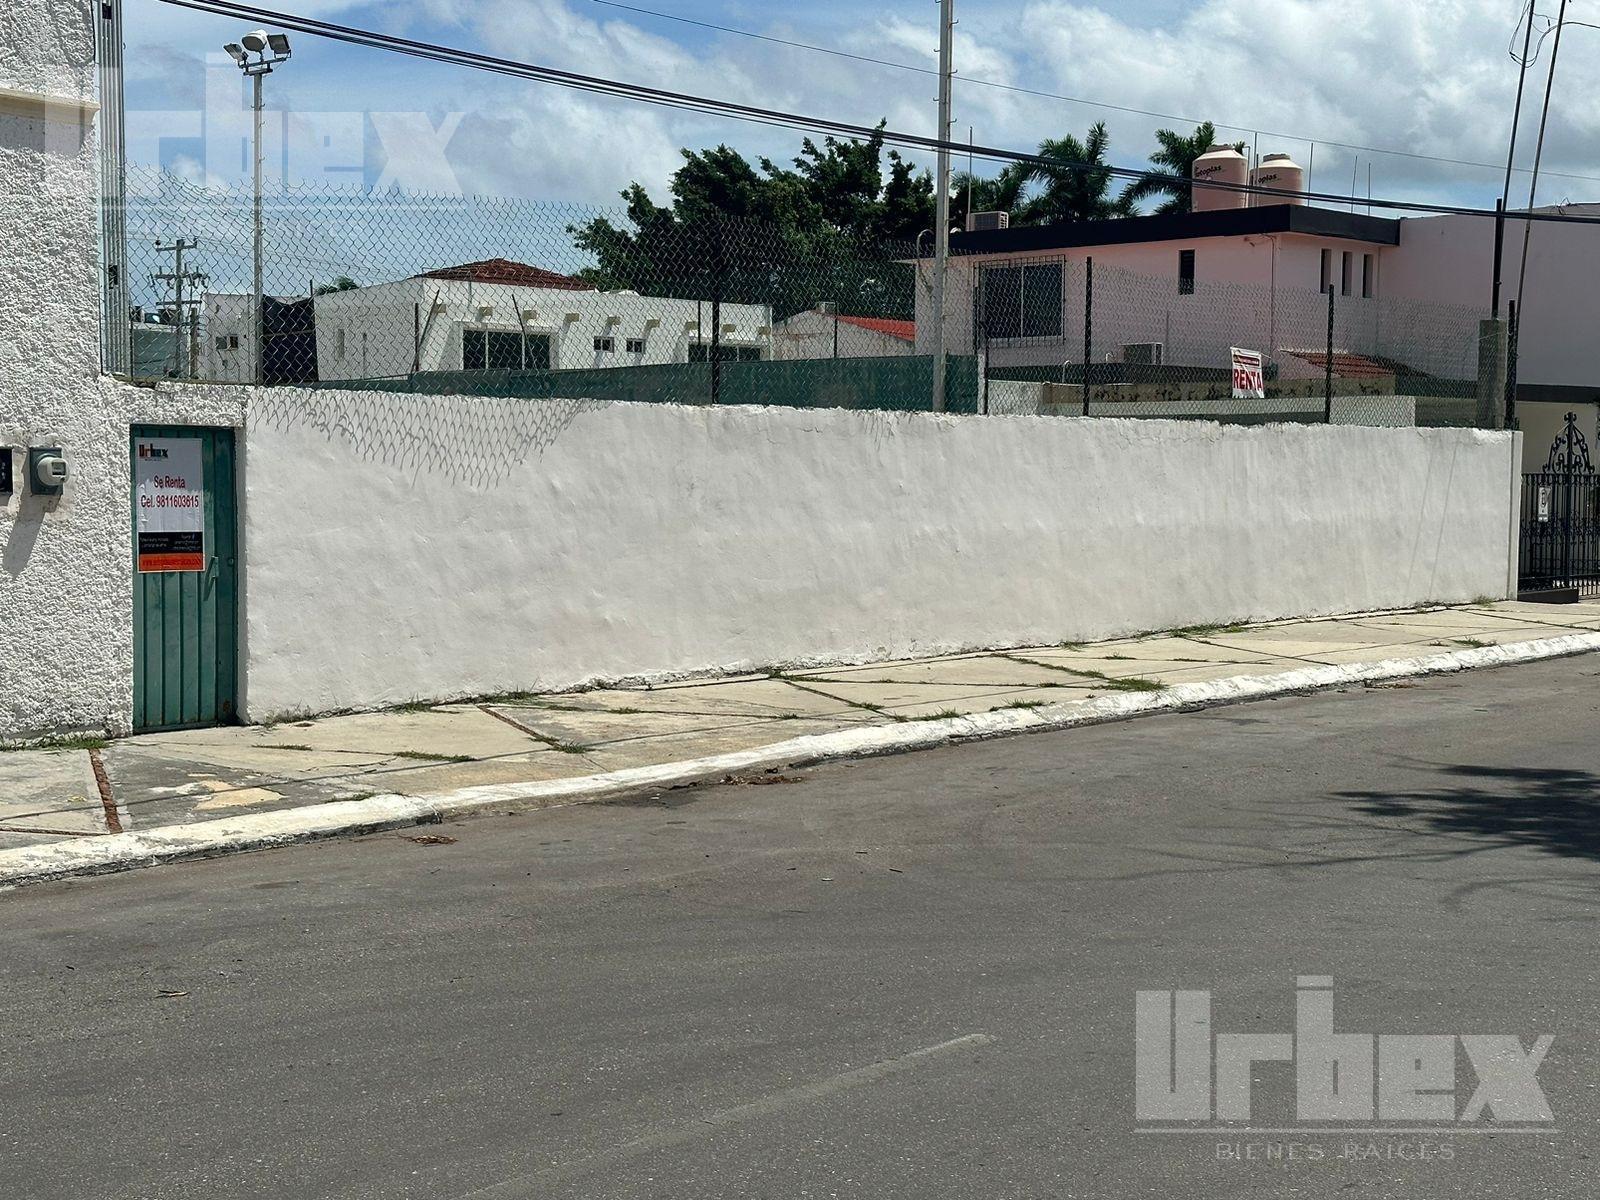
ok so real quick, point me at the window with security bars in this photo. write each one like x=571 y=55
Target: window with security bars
x=1023 y=302
x=701 y=352
x=501 y=350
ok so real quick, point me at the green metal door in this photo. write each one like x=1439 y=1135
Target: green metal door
x=185 y=577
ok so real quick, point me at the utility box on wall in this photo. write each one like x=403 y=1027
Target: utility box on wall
x=47 y=470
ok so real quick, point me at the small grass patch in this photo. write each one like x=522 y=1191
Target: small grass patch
x=287 y=746
x=944 y=714
x=76 y=741
x=1484 y=601
x=1137 y=685
x=1020 y=704
x=1472 y=643
x=1071 y=645
x=1201 y=631
x=357 y=796
x=515 y=698
x=1114 y=684
x=1119 y=658
x=424 y=756
x=414 y=706
x=570 y=748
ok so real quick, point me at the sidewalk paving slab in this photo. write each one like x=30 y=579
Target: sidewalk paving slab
x=216 y=785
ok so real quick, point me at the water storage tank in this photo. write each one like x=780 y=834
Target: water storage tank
x=1220 y=164
x=1280 y=173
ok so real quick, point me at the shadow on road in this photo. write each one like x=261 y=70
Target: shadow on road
x=1556 y=810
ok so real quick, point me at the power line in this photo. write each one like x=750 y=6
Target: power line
x=745 y=112
x=1027 y=91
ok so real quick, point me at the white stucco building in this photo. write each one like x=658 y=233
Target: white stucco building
x=1182 y=289
x=493 y=315
x=822 y=333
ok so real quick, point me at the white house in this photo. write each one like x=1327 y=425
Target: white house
x=1181 y=289
x=492 y=315
x=822 y=333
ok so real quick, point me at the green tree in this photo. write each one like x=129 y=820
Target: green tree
x=341 y=283
x=1174 y=168
x=974 y=193
x=836 y=225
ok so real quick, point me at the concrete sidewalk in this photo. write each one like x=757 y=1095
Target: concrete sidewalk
x=162 y=781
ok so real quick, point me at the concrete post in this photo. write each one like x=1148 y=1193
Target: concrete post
x=1491 y=374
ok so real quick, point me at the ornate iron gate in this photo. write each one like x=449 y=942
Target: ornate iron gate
x=1561 y=518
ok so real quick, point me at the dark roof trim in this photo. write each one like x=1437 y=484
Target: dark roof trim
x=1175 y=227
x=1558 y=393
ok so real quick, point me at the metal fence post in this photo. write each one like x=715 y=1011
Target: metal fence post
x=1511 y=364
x=1327 y=367
x=1088 y=328
x=718 y=274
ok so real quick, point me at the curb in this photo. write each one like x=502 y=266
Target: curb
x=377 y=814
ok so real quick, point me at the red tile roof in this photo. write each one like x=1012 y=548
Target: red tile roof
x=906 y=331
x=503 y=270
x=1354 y=366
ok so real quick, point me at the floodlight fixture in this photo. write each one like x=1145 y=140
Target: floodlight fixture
x=255 y=41
x=279 y=43
x=235 y=52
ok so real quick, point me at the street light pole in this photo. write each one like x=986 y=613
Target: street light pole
x=941 y=221
x=256 y=53
x=257 y=290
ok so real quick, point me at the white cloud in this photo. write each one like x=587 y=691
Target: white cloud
x=1430 y=76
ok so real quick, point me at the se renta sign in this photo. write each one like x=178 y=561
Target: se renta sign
x=1249 y=376
x=169 y=505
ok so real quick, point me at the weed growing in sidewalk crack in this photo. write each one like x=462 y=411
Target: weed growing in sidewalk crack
x=1201 y=631
x=69 y=742
x=1473 y=643
x=424 y=756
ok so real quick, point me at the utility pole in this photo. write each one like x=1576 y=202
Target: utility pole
x=941 y=220
x=1538 y=153
x=1511 y=156
x=182 y=360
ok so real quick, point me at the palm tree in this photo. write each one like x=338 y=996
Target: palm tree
x=973 y=193
x=1174 y=168
x=1074 y=182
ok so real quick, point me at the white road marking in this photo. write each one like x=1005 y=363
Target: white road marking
x=721 y=1119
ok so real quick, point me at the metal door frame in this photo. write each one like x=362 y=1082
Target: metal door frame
x=214 y=674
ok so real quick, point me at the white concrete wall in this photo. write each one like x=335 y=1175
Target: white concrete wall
x=66 y=593
x=399 y=548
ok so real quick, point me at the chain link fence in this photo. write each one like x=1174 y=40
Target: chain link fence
x=1087 y=338
x=512 y=298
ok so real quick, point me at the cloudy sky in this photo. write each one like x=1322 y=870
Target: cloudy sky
x=1429 y=77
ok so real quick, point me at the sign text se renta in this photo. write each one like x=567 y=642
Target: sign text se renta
x=1249 y=375
x=169 y=505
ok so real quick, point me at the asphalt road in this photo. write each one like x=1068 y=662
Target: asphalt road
x=908 y=977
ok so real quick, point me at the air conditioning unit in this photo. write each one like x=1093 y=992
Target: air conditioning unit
x=985 y=221
x=1144 y=354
